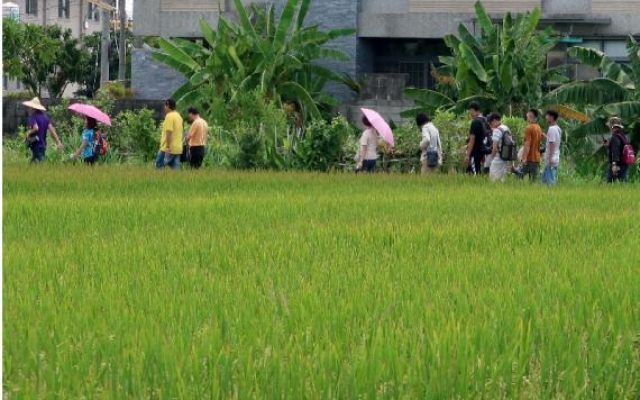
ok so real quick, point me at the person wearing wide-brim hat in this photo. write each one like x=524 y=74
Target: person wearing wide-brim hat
x=618 y=170
x=39 y=125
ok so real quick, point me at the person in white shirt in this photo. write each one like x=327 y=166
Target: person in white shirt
x=498 y=167
x=552 y=152
x=368 y=153
x=431 y=157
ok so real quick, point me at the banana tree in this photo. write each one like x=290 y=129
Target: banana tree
x=278 y=57
x=615 y=93
x=505 y=68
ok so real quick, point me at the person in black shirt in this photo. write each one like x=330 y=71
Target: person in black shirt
x=618 y=171
x=474 y=154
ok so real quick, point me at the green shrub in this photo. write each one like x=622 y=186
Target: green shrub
x=321 y=146
x=23 y=95
x=251 y=150
x=135 y=133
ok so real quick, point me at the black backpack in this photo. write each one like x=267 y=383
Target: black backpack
x=487 y=141
x=508 y=147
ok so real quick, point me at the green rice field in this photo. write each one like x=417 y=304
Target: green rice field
x=129 y=283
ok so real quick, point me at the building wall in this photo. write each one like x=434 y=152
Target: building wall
x=436 y=18
x=152 y=80
x=47 y=14
x=178 y=18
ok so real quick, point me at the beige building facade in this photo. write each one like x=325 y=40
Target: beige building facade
x=81 y=16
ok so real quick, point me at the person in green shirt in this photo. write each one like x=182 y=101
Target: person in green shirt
x=171 y=141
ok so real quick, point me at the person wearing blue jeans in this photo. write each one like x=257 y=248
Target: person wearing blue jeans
x=171 y=141
x=552 y=152
x=163 y=160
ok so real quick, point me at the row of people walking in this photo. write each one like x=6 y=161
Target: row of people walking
x=484 y=153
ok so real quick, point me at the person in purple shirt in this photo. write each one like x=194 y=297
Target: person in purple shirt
x=39 y=126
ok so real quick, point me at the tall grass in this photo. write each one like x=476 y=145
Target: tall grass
x=125 y=283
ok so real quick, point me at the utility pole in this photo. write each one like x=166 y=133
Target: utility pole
x=122 y=67
x=104 y=48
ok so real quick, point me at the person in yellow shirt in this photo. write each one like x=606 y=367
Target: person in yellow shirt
x=171 y=141
x=197 y=138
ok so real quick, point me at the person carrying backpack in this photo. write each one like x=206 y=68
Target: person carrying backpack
x=475 y=149
x=431 y=157
x=86 y=151
x=620 y=152
x=504 y=150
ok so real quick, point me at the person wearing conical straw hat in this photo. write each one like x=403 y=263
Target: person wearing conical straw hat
x=39 y=126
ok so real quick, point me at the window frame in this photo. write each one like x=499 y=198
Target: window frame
x=63 y=9
x=31 y=7
x=93 y=12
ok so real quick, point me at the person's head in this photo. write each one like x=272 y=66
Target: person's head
x=615 y=124
x=90 y=123
x=169 y=105
x=34 y=106
x=422 y=119
x=366 y=122
x=494 y=119
x=474 y=109
x=532 y=116
x=552 y=117
x=193 y=114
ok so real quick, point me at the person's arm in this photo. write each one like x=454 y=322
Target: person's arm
x=78 y=152
x=169 y=137
x=34 y=130
x=550 y=151
x=426 y=138
x=192 y=131
x=527 y=146
x=469 y=149
x=615 y=145
x=52 y=131
x=363 y=151
x=494 y=148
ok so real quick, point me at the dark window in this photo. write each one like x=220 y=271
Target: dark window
x=31 y=7
x=63 y=8
x=413 y=58
x=94 y=13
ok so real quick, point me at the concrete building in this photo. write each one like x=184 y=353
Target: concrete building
x=394 y=36
x=81 y=16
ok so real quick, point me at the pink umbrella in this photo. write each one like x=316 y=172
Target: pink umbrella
x=380 y=125
x=91 y=112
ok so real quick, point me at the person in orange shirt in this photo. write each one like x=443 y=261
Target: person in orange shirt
x=531 y=152
x=197 y=138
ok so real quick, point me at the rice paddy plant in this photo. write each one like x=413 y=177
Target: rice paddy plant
x=127 y=283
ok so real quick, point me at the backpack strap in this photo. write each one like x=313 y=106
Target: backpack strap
x=623 y=138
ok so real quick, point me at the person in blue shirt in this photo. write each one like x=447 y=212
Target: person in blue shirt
x=86 y=148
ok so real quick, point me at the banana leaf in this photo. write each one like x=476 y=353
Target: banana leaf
x=428 y=98
x=293 y=91
x=598 y=91
x=472 y=62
